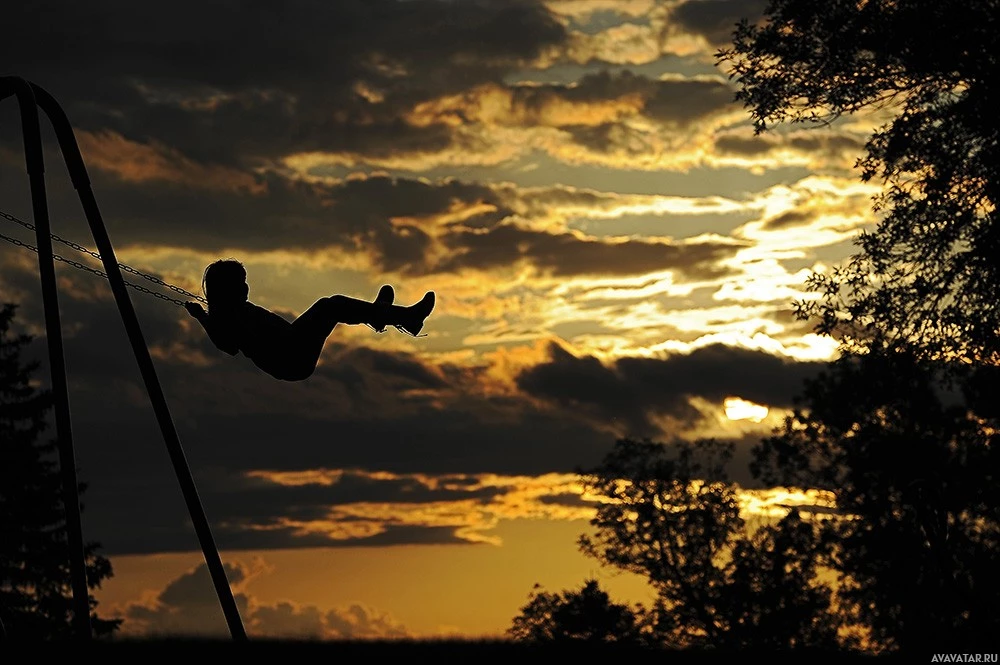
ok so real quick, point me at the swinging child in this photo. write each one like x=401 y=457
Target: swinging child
x=290 y=350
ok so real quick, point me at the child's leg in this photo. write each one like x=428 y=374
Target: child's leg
x=343 y=309
x=315 y=324
x=321 y=318
x=312 y=327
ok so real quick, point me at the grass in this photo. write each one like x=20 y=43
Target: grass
x=437 y=651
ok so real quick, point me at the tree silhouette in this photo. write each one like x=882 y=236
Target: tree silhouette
x=902 y=427
x=587 y=615
x=915 y=473
x=720 y=581
x=35 y=587
x=928 y=275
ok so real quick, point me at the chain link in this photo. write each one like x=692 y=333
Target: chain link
x=95 y=271
x=83 y=250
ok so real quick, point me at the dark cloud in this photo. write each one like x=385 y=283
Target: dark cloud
x=259 y=500
x=292 y=215
x=744 y=145
x=402 y=367
x=830 y=143
x=635 y=390
x=569 y=254
x=359 y=214
x=245 y=535
x=676 y=104
x=679 y=103
x=572 y=500
x=227 y=83
x=715 y=20
x=673 y=102
x=134 y=506
x=590 y=385
x=289 y=621
x=603 y=138
x=787 y=220
x=820 y=144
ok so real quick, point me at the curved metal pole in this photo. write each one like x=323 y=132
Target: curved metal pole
x=57 y=361
x=81 y=181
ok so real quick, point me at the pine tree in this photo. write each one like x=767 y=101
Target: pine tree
x=35 y=588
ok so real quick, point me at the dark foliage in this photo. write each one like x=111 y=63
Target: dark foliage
x=586 y=615
x=927 y=277
x=902 y=428
x=35 y=588
x=915 y=478
x=721 y=582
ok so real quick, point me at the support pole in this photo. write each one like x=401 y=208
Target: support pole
x=57 y=363
x=81 y=181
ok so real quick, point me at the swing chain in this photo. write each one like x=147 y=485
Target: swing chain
x=86 y=268
x=83 y=250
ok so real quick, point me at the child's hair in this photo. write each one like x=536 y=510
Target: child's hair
x=222 y=280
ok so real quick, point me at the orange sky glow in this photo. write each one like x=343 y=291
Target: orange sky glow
x=614 y=252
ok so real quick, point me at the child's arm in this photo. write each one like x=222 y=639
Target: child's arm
x=199 y=313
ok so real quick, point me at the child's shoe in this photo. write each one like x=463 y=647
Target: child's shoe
x=415 y=315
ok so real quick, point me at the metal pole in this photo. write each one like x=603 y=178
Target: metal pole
x=81 y=181
x=57 y=364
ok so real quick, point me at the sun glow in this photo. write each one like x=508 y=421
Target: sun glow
x=738 y=408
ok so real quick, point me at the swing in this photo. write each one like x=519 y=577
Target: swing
x=100 y=273
x=31 y=98
x=139 y=273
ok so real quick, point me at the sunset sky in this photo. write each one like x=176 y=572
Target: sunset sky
x=614 y=253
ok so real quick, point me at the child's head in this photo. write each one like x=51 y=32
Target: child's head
x=225 y=282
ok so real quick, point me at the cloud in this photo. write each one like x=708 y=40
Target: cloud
x=620 y=120
x=582 y=9
x=623 y=44
x=252 y=84
x=258 y=509
x=134 y=162
x=645 y=31
x=816 y=211
x=188 y=606
x=570 y=254
x=595 y=99
x=361 y=508
x=836 y=151
x=714 y=20
x=400 y=99
x=638 y=391
x=407 y=226
x=359 y=622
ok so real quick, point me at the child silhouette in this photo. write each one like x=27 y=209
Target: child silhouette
x=290 y=350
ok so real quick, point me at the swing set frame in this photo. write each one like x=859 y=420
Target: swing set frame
x=31 y=98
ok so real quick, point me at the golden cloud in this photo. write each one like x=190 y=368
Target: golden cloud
x=554 y=496
x=583 y=8
x=619 y=120
x=138 y=163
